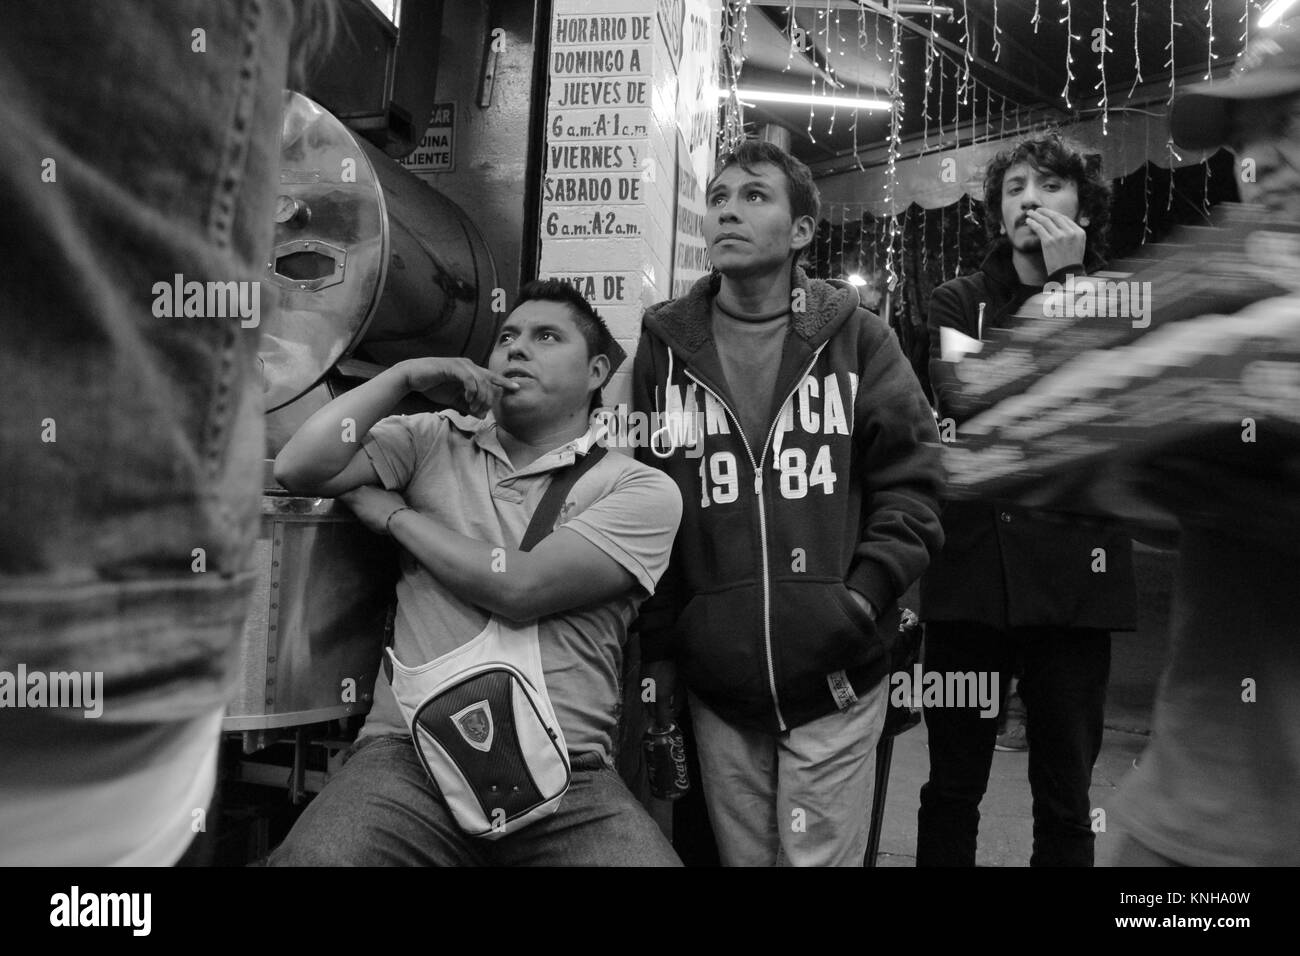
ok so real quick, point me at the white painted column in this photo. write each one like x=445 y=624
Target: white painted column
x=625 y=100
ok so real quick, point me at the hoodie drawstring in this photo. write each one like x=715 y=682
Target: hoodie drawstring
x=664 y=429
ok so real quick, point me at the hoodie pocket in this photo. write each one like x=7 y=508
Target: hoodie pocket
x=722 y=649
x=818 y=629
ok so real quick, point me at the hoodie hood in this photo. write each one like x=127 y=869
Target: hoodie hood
x=684 y=327
x=998 y=265
x=684 y=323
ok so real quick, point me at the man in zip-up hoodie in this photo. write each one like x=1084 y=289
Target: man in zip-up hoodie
x=809 y=467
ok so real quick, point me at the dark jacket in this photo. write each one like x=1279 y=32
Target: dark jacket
x=1001 y=564
x=755 y=607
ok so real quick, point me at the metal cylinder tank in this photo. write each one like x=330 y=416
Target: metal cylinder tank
x=371 y=266
x=367 y=260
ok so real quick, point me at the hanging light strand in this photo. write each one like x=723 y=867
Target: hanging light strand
x=929 y=68
x=942 y=71
x=1069 y=51
x=965 y=39
x=794 y=31
x=1105 y=36
x=925 y=243
x=943 y=243
x=1137 y=54
x=895 y=126
x=862 y=47
x=1171 y=153
x=732 y=130
x=997 y=46
x=830 y=60
x=1210 y=55
x=988 y=113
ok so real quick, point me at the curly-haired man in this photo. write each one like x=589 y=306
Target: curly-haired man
x=1014 y=585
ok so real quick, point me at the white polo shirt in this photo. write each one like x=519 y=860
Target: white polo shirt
x=453 y=469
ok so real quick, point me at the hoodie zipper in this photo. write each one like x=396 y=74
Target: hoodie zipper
x=762 y=516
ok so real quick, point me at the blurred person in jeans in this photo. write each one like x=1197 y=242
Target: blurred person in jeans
x=138 y=142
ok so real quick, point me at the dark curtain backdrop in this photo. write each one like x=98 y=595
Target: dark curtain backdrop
x=936 y=245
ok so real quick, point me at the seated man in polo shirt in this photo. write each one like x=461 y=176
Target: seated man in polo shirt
x=459 y=491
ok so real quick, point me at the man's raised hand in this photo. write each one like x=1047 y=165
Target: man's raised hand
x=457 y=383
x=1063 y=240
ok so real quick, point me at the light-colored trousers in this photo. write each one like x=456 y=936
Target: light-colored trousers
x=801 y=798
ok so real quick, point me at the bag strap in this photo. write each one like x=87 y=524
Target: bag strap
x=543 y=520
x=548 y=509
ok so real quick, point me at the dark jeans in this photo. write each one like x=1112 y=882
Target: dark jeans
x=1063 y=687
x=381 y=809
x=131 y=443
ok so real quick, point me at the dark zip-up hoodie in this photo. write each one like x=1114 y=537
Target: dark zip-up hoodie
x=1003 y=565
x=755 y=607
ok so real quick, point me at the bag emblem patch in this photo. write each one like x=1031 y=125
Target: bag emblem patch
x=475 y=725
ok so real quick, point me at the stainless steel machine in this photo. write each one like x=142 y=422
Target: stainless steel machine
x=371 y=266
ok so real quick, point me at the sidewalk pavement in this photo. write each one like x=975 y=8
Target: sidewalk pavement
x=1006 y=822
x=1006 y=825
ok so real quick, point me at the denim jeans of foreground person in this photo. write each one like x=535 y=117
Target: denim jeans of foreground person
x=138 y=142
x=382 y=809
x=1063 y=687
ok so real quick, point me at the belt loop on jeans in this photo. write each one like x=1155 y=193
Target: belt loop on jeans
x=589 y=760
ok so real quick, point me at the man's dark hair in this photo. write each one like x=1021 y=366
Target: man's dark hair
x=1053 y=153
x=799 y=185
x=593 y=328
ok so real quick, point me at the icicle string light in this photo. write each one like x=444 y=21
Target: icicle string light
x=997 y=47
x=956 y=105
x=862 y=46
x=895 y=125
x=1171 y=153
x=844 y=226
x=1205 y=198
x=1038 y=17
x=1245 y=26
x=988 y=113
x=1105 y=37
x=943 y=244
x=830 y=59
x=812 y=91
x=732 y=130
x=1146 y=201
x=925 y=243
x=1069 y=52
x=1210 y=55
x=965 y=39
x=1137 y=54
x=793 y=28
x=925 y=101
x=942 y=71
